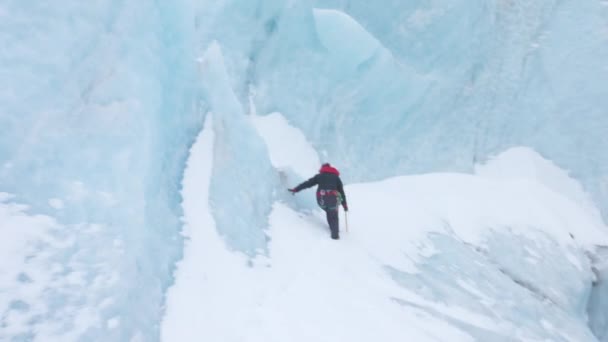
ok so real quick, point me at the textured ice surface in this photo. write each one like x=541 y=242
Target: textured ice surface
x=449 y=84
x=242 y=185
x=98 y=105
x=100 y=101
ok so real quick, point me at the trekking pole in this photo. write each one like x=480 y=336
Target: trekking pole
x=346 y=220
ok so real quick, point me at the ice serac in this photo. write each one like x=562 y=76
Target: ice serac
x=467 y=79
x=337 y=87
x=335 y=31
x=97 y=109
x=243 y=180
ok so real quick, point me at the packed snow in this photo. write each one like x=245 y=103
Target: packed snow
x=448 y=257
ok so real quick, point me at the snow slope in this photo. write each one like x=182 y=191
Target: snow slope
x=437 y=257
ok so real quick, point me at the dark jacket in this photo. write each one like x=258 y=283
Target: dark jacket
x=328 y=178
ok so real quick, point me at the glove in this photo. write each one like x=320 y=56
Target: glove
x=293 y=191
x=345 y=206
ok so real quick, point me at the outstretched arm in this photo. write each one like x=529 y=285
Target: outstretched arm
x=305 y=185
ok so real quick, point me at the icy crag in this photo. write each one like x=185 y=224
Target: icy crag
x=99 y=103
x=441 y=86
x=97 y=109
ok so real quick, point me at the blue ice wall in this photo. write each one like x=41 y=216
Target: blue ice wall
x=242 y=187
x=467 y=79
x=98 y=106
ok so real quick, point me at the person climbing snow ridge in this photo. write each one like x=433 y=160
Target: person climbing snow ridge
x=330 y=194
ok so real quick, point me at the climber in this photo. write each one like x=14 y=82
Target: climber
x=330 y=194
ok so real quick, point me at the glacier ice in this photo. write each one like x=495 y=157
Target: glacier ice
x=242 y=187
x=467 y=78
x=100 y=103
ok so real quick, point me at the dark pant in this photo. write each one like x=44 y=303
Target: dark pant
x=329 y=201
x=334 y=223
